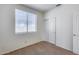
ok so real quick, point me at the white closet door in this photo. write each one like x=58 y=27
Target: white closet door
x=51 y=29
x=76 y=33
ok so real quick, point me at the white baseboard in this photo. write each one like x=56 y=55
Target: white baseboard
x=4 y=52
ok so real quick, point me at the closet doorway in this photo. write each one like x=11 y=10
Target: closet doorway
x=50 y=25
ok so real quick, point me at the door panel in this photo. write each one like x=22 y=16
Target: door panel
x=78 y=26
x=51 y=29
x=76 y=33
x=75 y=45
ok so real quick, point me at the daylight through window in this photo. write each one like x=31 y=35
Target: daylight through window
x=25 y=21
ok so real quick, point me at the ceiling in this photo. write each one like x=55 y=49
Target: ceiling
x=41 y=7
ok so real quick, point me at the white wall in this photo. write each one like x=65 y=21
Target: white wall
x=64 y=24
x=9 y=41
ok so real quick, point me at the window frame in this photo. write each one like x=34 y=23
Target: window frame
x=27 y=22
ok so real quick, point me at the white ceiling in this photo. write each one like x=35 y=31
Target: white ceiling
x=42 y=7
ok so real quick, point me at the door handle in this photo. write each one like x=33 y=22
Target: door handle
x=74 y=34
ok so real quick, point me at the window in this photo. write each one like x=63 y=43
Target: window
x=25 y=21
x=31 y=22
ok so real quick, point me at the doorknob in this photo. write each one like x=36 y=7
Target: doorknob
x=74 y=34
